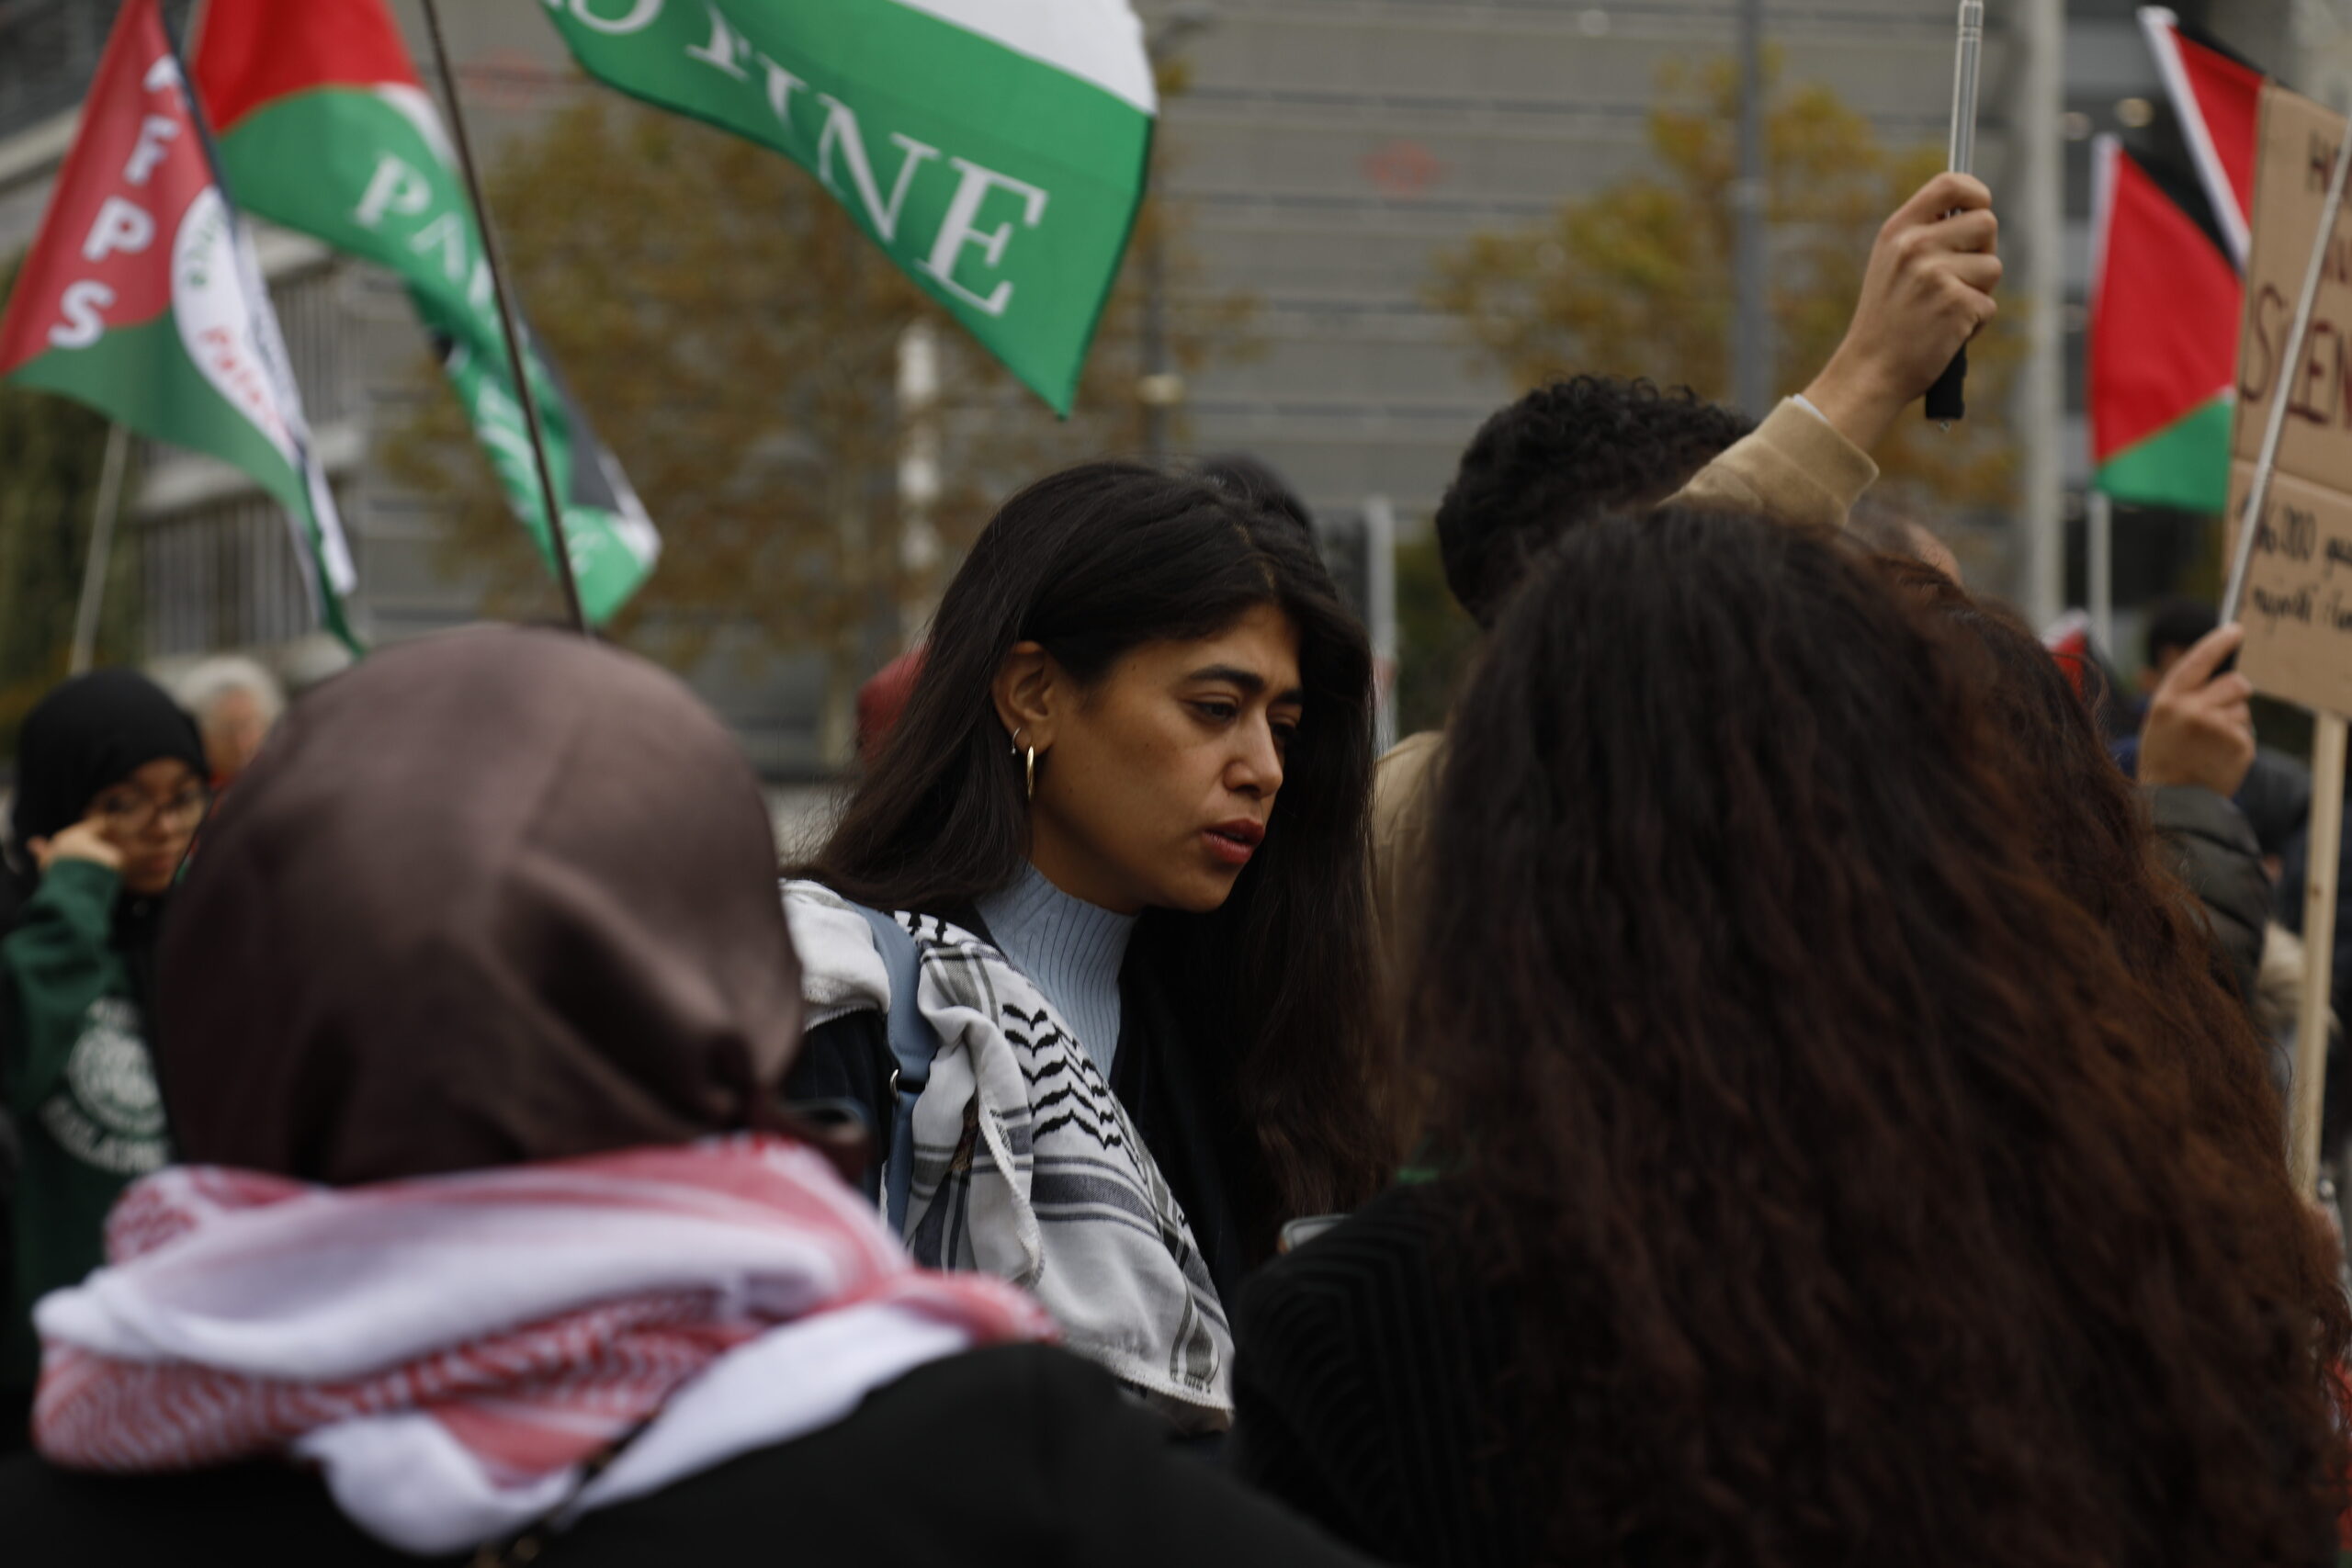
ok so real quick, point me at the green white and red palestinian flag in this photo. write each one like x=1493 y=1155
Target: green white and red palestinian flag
x=142 y=298
x=2218 y=99
x=995 y=149
x=2162 y=354
x=325 y=127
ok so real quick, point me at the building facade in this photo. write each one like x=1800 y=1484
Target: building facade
x=1327 y=150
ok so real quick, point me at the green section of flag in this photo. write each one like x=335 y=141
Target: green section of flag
x=141 y=376
x=1003 y=185
x=611 y=554
x=2185 y=465
x=363 y=171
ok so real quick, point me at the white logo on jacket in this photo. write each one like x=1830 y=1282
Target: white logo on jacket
x=110 y=1111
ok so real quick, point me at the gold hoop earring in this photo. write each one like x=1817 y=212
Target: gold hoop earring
x=1032 y=772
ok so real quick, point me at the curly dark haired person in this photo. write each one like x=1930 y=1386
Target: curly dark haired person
x=1813 y=1181
x=2133 y=857
x=1586 y=447
x=1593 y=447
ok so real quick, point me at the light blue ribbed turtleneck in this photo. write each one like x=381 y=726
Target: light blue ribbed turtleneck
x=1070 y=950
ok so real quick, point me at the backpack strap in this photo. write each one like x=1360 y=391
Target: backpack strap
x=912 y=1046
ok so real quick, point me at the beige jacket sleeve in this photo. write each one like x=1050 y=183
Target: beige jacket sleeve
x=1794 y=467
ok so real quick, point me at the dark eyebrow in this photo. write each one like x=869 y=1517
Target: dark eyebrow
x=1249 y=681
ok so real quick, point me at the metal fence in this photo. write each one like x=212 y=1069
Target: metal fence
x=221 y=575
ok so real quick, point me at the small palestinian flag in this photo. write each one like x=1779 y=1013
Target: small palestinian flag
x=142 y=298
x=2162 y=354
x=2219 y=100
x=326 y=127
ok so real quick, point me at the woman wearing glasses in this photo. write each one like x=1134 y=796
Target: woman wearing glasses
x=110 y=790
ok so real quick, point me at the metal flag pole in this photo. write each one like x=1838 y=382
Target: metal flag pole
x=2101 y=519
x=94 y=568
x=503 y=290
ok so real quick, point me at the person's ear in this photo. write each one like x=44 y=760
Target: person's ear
x=1030 y=689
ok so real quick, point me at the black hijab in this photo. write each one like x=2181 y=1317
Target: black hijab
x=88 y=734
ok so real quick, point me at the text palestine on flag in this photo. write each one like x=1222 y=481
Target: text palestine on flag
x=996 y=149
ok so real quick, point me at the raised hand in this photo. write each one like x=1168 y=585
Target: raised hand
x=1927 y=290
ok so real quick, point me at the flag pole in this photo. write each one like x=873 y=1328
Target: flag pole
x=94 y=568
x=2100 y=520
x=502 y=289
x=2309 y=1084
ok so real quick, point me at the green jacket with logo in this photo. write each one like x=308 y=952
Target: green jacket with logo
x=79 y=1088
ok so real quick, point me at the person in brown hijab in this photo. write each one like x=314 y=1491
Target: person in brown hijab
x=497 y=1241
x=490 y=903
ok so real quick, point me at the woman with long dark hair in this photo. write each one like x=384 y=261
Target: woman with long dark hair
x=1812 y=1181
x=2092 y=836
x=1124 y=813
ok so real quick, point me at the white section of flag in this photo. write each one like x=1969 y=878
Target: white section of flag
x=1097 y=40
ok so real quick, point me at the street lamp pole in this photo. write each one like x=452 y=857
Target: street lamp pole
x=1160 y=386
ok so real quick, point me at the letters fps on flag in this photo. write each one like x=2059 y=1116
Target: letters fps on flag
x=995 y=149
x=2297 y=602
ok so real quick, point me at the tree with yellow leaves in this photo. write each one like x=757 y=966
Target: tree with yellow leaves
x=1636 y=279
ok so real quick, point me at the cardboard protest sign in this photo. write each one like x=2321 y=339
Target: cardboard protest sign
x=2298 y=604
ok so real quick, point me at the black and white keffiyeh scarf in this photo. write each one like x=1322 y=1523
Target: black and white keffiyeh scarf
x=1026 y=1165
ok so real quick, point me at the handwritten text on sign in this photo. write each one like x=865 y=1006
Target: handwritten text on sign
x=2298 y=606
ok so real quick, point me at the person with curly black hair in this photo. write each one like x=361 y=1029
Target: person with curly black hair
x=1593 y=447
x=1562 y=456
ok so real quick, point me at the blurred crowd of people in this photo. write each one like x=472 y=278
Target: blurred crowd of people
x=1783 y=1077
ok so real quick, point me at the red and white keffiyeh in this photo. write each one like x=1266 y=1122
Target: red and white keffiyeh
x=451 y=1350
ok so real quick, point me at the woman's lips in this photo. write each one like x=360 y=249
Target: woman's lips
x=1234 y=842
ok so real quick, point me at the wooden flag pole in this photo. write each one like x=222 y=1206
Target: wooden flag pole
x=2319 y=950
x=103 y=516
x=503 y=290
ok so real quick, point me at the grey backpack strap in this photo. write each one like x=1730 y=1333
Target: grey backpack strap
x=912 y=1046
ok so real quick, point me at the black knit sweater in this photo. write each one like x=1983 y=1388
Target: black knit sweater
x=1366 y=1381
x=1017 y=1457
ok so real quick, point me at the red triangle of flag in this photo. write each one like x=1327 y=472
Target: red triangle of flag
x=2219 y=100
x=103 y=258
x=2163 y=308
x=256 y=51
